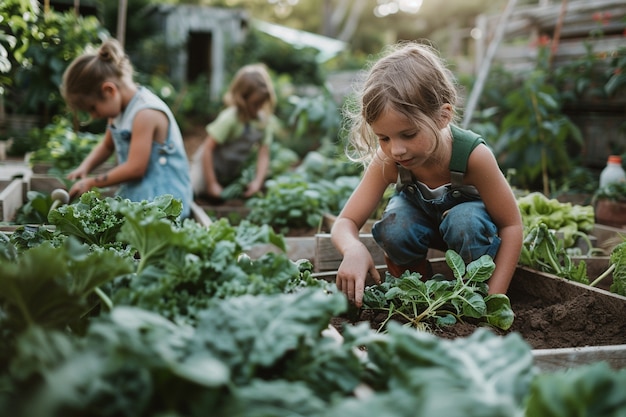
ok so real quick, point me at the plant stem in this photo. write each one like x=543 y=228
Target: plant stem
x=605 y=274
x=105 y=298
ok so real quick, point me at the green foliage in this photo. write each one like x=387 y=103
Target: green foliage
x=63 y=148
x=313 y=120
x=35 y=209
x=617 y=268
x=177 y=267
x=594 y=75
x=580 y=180
x=49 y=286
x=567 y=219
x=299 y=199
x=280 y=56
x=91 y=219
x=542 y=251
x=589 y=390
x=193 y=101
x=47 y=41
x=200 y=327
x=614 y=191
x=422 y=302
x=535 y=133
x=290 y=201
x=617 y=264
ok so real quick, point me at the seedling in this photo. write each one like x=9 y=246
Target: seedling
x=419 y=302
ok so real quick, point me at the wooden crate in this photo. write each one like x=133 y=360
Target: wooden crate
x=11 y=198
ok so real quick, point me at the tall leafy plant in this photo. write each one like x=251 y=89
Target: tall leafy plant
x=535 y=135
x=45 y=43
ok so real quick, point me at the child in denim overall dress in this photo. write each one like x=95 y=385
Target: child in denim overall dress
x=246 y=125
x=450 y=191
x=142 y=131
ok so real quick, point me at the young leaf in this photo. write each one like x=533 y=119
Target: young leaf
x=499 y=311
x=617 y=259
x=481 y=269
x=456 y=264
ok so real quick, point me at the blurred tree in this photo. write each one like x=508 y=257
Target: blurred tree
x=355 y=22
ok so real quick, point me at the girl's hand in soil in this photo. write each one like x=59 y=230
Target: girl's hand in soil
x=352 y=272
x=215 y=190
x=253 y=188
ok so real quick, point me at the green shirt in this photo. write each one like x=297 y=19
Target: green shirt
x=227 y=127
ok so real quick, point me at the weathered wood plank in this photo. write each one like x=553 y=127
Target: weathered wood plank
x=327 y=257
x=200 y=215
x=549 y=360
x=11 y=199
x=297 y=248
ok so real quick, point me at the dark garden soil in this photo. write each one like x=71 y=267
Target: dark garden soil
x=580 y=321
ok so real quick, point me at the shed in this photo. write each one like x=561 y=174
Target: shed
x=199 y=39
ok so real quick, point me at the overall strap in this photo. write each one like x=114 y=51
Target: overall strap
x=405 y=177
x=463 y=143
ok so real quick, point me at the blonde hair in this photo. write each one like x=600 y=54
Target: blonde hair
x=252 y=79
x=411 y=79
x=83 y=78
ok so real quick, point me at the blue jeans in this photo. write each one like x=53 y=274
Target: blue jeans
x=458 y=221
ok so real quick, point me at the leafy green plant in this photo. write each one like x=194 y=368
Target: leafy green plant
x=595 y=74
x=64 y=148
x=314 y=119
x=535 y=133
x=614 y=191
x=444 y=301
x=542 y=251
x=617 y=267
x=204 y=329
x=290 y=202
x=35 y=209
x=570 y=221
x=46 y=41
x=593 y=389
x=49 y=286
x=177 y=268
x=91 y=220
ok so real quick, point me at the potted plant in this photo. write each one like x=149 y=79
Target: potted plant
x=609 y=203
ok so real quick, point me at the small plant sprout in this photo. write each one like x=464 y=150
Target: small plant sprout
x=444 y=301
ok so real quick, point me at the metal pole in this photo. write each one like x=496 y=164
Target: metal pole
x=121 y=21
x=484 y=70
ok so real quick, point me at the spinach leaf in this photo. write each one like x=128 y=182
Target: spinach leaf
x=419 y=302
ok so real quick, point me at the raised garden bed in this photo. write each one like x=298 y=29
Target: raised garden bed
x=13 y=196
x=566 y=323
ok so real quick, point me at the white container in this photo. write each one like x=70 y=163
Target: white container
x=613 y=172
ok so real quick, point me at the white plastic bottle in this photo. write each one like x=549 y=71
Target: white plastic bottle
x=613 y=172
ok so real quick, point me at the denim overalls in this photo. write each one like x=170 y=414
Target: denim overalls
x=229 y=158
x=450 y=217
x=168 y=168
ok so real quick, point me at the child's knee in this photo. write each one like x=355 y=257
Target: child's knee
x=403 y=243
x=470 y=232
